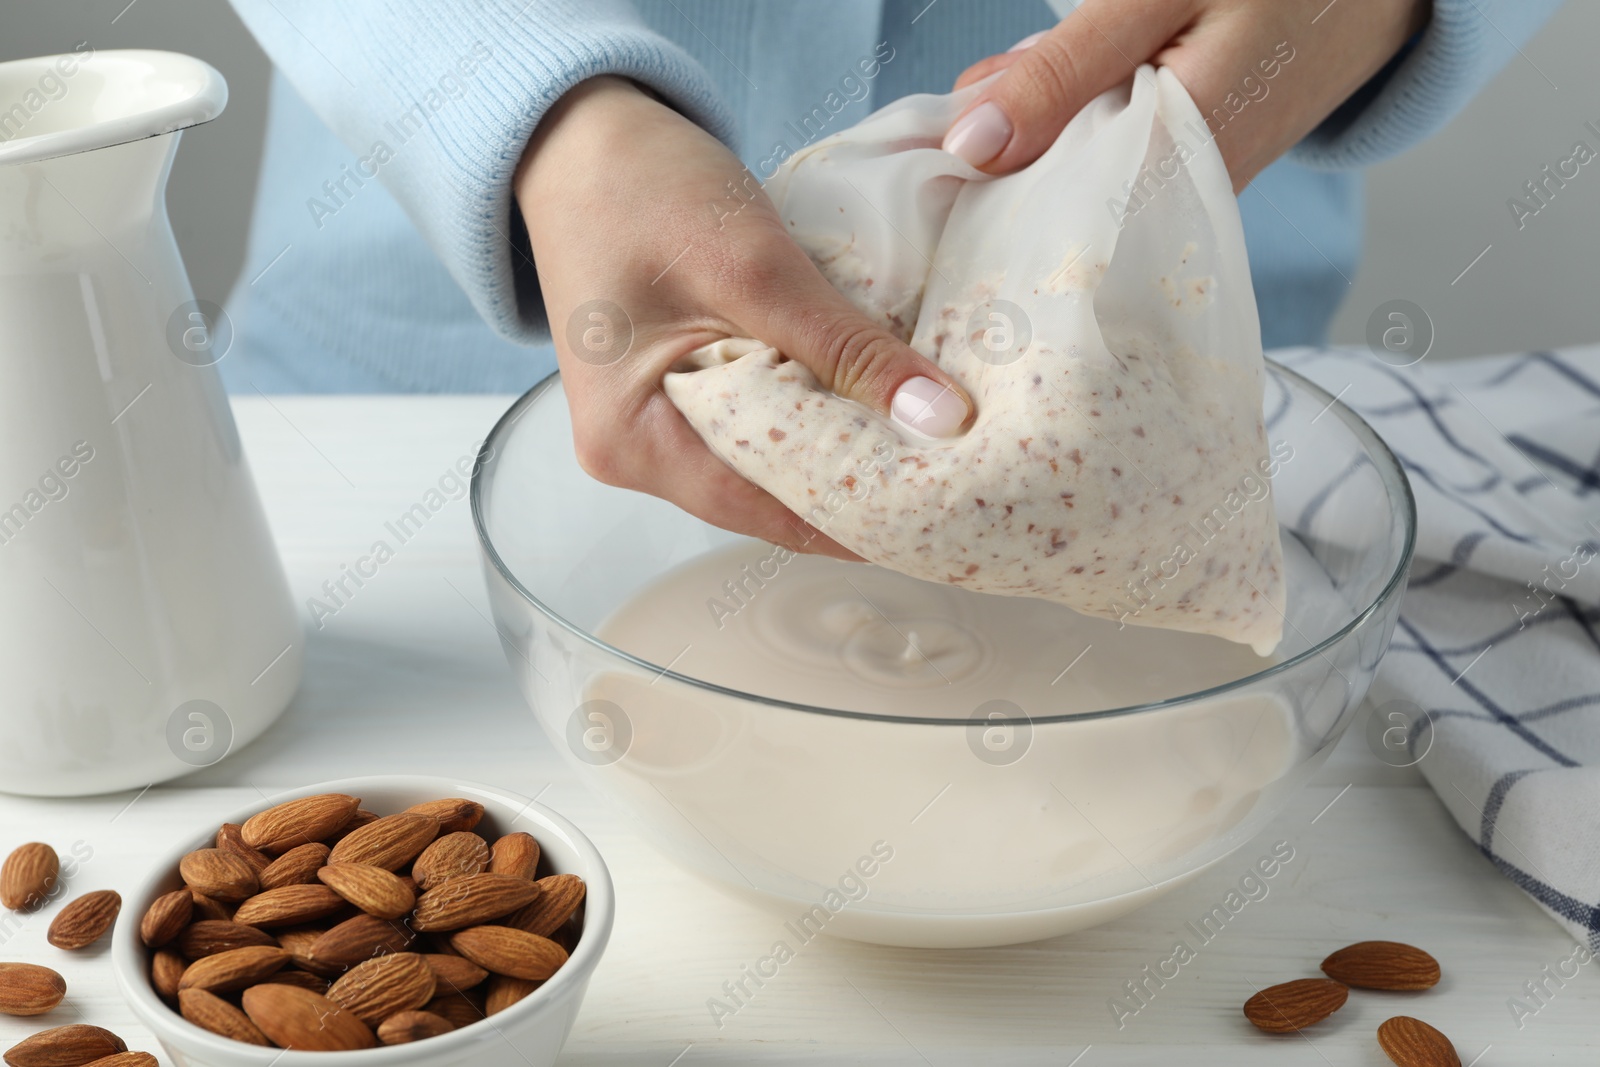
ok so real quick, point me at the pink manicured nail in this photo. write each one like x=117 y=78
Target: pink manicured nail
x=1027 y=42
x=980 y=134
x=927 y=407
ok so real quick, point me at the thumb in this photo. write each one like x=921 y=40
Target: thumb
x=1097 y=46
x=858 y=359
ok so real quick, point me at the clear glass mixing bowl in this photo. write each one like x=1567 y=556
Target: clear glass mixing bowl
x=938 y=830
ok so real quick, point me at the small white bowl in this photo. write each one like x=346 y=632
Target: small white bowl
x=530 y=1033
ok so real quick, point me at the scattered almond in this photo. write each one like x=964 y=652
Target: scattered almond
x=407 y=1026
x=28 y=989
x=167 y=917
x=559 y=897
x=210 y=1012
x=82 y=922
x=472 y=899
x=230 y=838
x=298 y=866
x=1289 y=1006
x=358 y=939
x=504 y=991
x=166 y=971
x=451 y=856
x=519 y=954
x=1382 y=965
x=515 y=854
x=300 y=1019
x=234 y=969
x=374 y=990
x=28 y=875
x=372 y=889
x=65 y=1046
x=211 y=936
x=289 y=905
x=1413 y=1043
x=389 y=842
x=454 y=813
x=219 y=875
x=454 y=973
x=297 y=822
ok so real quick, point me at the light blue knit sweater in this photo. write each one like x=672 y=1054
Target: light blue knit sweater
x=385 y=252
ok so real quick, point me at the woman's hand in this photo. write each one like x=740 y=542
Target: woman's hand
x=650 y=240
x=1264 y=73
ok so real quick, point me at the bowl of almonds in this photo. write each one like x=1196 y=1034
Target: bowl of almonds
x=385 y=920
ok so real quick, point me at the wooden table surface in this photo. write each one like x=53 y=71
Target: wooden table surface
x=409 y=677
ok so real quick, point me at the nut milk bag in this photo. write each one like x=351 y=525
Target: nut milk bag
x=1097 y=307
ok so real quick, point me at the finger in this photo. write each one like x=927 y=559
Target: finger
x=810 y=322
x=985 y=67
x=1096 y=47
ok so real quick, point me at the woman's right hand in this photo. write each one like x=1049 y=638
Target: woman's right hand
x=645 y=252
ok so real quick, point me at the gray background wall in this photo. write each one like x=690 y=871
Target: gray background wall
x=1430 y=212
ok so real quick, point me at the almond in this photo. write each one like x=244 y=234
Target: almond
x=407 y=1026
x=454 y=813
x=125 y=1059
x=300 y=1019
x=297 y=822
x=298 y=866
x=210 y=1012
x=515 y=854
x=1413 y=1043
x=296 y=977
x=167 y=917
x=361 y=818
x=451 y=856
x=516 y=953
x=559 y=897
x=1382 y=965
x=297 y=942
x=166 y=971
x=461 y=1009
x=82 y=922
x=28 y=989
x=1291 y=1006
x=505 y=991
x=206 y=908
x=374 y=990
x=65 y=1046
x=472 y=899
x=209 y=937
x=390 y=842
x=28 y=875
x=233 y=969
x=289 y=905
x=358 y=939
x=372 y=889
x=219 y=874
x=230 y=838
x=454 y=973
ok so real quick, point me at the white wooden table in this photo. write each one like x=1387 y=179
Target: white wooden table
x=409 y=678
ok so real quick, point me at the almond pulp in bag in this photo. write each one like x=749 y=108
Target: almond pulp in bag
x=1097 y=307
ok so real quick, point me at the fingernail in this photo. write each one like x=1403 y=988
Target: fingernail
x=927 y=407
x=980 y=134
x=1027 y=42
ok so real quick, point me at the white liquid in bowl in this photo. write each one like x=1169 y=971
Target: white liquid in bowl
x=985 y=819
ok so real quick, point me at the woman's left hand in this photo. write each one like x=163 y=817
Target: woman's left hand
x=1264 y=73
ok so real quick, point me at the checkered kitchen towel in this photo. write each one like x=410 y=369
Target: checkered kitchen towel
x=1499 y=633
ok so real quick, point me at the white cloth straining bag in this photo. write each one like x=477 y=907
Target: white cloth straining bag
x=1096 y=305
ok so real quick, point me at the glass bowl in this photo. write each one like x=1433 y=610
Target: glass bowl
x=952 y=827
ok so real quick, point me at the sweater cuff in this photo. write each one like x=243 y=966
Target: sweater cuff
x=440 y=101
x=1464 y=45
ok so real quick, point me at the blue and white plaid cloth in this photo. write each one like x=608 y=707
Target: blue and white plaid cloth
x=1499 y=633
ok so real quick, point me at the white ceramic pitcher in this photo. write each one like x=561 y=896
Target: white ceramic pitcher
x=145 y=624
